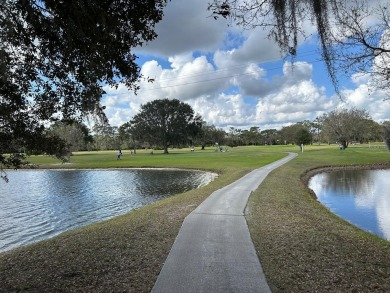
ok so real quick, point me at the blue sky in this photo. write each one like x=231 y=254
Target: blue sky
x=236 y=78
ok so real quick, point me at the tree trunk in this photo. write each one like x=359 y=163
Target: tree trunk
x=344 y=144
x=166 y=150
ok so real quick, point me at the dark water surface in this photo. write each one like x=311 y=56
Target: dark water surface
x=39 y=204
x=361 y=197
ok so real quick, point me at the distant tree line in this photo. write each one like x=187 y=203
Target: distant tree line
x=163 y=124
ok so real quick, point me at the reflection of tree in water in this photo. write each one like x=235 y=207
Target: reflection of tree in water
x=359 y=196
x=383 y=203
x=351 y=182
x=162 y=183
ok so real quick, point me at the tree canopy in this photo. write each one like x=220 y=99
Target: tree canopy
x=210 y=135
x=165 y=122
x=75 y=134
x=354 y=36
x=54 y=58
x=302 y=137
x=386 y=134
x=346 y=125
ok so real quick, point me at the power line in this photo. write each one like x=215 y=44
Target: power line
x=304 y=54
x=216 y=78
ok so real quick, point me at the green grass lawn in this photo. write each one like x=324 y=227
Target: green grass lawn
x=302 y=246
x=209 y=159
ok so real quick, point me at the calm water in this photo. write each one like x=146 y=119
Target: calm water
x=38 y=204
x=362 y=197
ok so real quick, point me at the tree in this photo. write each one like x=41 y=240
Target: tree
x=55 y=56
x=288 y=133
x=302 y=137
x=126 y=138
x=234 y=137
x=374 y=131
x=218 y=136
x=210 y=135
x=270 y=136
x=75 y=134
x=386 y=134
x=298 y=133
x=346 y=125
x=252 y=136
x=341 y=25
x=311 y=127
x=317 y=126
x=363 y=45
x=106 y=137
x=165 y=122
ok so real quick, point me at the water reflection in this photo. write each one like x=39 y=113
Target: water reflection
x=39 y=204
x=359 y=196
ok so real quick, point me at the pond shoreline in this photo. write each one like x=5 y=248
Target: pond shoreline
x=303 y=247
x=357 y=195
x=67 y=199
x=122 y=265
x=306 y=176
x=67 y=166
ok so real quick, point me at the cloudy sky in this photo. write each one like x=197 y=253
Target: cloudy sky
x=235 y=78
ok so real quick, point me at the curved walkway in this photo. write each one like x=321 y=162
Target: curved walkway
x=213 y=251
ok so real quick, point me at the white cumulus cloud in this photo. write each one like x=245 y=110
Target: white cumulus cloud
x=222 y=73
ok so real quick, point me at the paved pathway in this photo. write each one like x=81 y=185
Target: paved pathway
x=213 y=251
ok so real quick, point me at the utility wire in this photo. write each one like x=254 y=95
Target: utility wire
x=304 y=54
x=216 y=78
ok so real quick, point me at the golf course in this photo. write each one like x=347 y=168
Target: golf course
x=302 y=246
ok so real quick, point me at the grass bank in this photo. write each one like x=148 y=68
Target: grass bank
x=124 y=254
x=305 y=248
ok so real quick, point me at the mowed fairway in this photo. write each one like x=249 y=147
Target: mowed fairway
x=301 y=245
x=208 y=159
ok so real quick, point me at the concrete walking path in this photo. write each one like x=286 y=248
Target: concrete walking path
x=213 y=251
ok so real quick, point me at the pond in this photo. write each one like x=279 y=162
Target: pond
x=39 y=204
x=361 y=197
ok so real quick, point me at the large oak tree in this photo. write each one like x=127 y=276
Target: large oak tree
x=165 y=122
x=346 y=125
x=55 y=55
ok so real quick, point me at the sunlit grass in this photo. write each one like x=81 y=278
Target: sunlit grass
x=209 y=159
